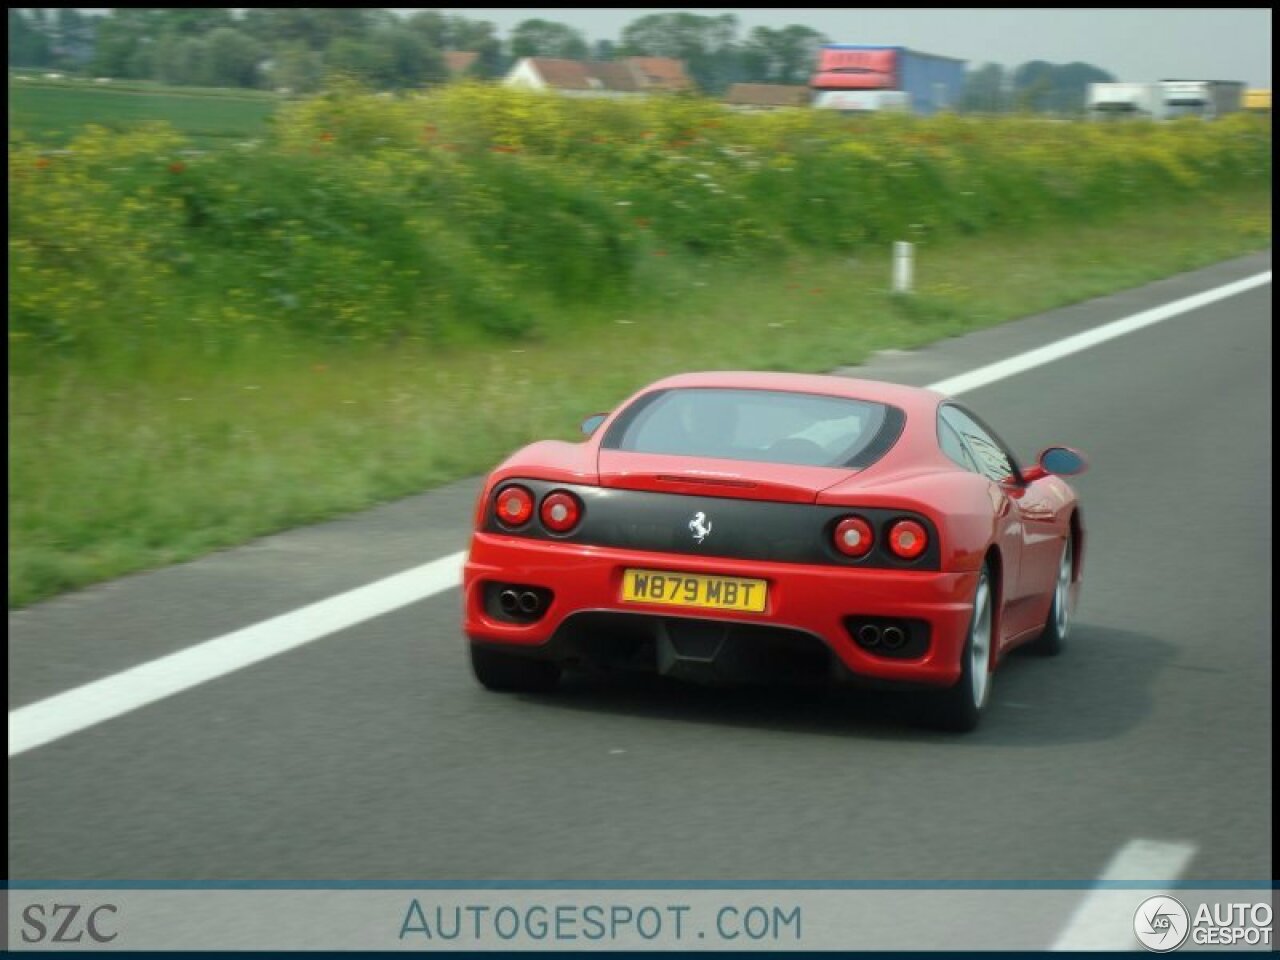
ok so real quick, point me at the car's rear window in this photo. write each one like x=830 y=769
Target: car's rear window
x=770 y=426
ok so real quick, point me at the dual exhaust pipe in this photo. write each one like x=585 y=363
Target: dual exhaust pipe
x=890 y=638
x=512 y=603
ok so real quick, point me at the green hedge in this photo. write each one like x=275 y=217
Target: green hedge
x=473 y=210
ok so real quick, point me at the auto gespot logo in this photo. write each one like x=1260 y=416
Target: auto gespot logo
x=1162 y=924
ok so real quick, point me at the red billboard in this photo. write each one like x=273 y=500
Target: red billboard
x=856 y=70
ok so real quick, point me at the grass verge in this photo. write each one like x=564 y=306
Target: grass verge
x=113 y=470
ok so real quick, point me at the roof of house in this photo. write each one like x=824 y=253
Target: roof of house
x=615 y=75
x=629 y=75
x=459 y=61
x=660 y=73
x=768 y=95
x=562 y=74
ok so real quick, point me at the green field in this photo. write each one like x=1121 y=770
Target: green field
x=51 y=113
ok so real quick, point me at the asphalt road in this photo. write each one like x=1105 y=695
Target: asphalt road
x=372 y=754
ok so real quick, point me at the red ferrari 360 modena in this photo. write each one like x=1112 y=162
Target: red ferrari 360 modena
x=721 y=527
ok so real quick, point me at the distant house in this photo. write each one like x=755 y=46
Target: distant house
x=616 y=76
x=660 y=73
x=628 y=77
x=458 y=62
x=766 y=96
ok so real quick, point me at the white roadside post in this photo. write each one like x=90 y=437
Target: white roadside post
x=902 y=263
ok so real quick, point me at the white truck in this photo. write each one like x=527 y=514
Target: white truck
x=1164 y=100
x=1202 y=98
x=1125 y=101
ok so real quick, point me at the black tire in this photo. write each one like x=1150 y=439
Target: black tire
x=959 y=708
x=1050 y=643
x=512 y=673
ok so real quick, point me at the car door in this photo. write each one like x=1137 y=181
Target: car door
x=1026 y=522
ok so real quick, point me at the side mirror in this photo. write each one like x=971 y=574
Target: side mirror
x=592 y=423
x=1062 y=461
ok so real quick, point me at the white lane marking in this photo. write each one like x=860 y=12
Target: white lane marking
x=1090 y=338
x=66 y=713
x=1103 y=920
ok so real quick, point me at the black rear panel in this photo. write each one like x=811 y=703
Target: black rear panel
x=740 y=529
x=706 y=651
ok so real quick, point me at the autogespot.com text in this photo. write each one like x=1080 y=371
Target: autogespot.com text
x=486 y=924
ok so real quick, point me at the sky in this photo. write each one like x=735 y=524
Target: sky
x=1131 y=43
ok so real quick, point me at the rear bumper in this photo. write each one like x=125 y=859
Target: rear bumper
x=811 y=599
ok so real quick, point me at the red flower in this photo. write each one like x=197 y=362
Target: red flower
x=43 y=163
x=177 y=166
x=642 y=223
x=659 y=253
x=326 y=136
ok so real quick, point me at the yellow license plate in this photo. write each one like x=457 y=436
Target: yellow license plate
x=694 y=590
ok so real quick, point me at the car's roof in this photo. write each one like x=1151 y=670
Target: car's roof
x=913 y=401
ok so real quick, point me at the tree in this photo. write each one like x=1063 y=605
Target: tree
x=181 y=60
x=28 y=46
x=233 y=59
x=284 y=46
x=283 y=26
x=705 y=44
x=296 y=68
x=1072 y=85
x=459 y=33
x=409 y=59
x=785 y=56
x=604 y=50
x=116 y=42
x=1032 y=83
x=141 y=62
x=984 y=89
x=72 y=38
x=193 y=21
x=1042 y=86
x=317 y=27
x=679 y=35
x=367 y=62
x=478 y=36
x=354 y=23
x=544 y=38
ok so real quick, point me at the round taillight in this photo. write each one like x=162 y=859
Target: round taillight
x=560 y=511
x=853 y=537
x=907 y=539
x=515 y=506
